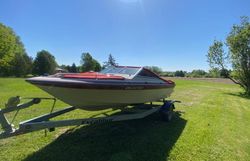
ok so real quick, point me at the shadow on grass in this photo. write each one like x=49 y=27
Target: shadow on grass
x=240 y=94
x=138 y=140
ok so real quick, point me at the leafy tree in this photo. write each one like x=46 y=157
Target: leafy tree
x=78 y=68
x=89 y=63
x=111 y=62
x=44 y=63
x=7 y=49
x=29 y=64
x=66 y=67
x=224 y=73
x=21 y=65
x=155 y=69
x=238 y=42
x=13 y=57
x=214 y=72
x=73 y=68
x=218 y=73
x=239 y=54
x=98 y=66
x=168 y=74
x=198 y=73
x=18 y=66
x=179 y=73
x=216 y=56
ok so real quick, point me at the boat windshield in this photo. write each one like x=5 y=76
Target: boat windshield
x=120 y=70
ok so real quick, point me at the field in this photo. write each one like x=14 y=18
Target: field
x=211 y=123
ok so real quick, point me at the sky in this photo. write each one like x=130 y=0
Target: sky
x=171 y=34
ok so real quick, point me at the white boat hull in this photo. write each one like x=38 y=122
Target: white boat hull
x=96 y=99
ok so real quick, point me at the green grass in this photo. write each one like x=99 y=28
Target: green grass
x=211 y=123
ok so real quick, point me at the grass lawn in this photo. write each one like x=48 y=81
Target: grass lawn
x=211 y=123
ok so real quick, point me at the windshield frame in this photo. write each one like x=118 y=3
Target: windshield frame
x=121 y=70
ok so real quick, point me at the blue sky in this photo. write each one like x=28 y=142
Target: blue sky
x=171 y=34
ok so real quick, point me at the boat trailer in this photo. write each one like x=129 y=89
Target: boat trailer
x=43 y=122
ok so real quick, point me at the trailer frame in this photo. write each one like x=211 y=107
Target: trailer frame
x=43 y=122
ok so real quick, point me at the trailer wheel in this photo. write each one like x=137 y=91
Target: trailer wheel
x=167 y=113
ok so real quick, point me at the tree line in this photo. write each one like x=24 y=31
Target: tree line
x=14 y=60
x=197 y=73
x=88 y=63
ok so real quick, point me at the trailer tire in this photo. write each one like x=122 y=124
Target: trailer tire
x=167 y=114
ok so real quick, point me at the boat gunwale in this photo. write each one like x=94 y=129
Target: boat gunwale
x=118 y=85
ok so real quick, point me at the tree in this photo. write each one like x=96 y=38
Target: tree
x=179 y=73
x=111 y=62
x=198 y=73
x=98 y=66
x=155 y=69
x=238 y=42
x=44 y=63
x=216 y=56
x=66 y=68
x=13 y=57
x=89 y=63
x=167 y=74
x=21 y=65
x=73 y=68
x=217 y=59
x=214 y=73
x=225 y=73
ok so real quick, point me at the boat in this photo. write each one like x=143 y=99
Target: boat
x=113 y=87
